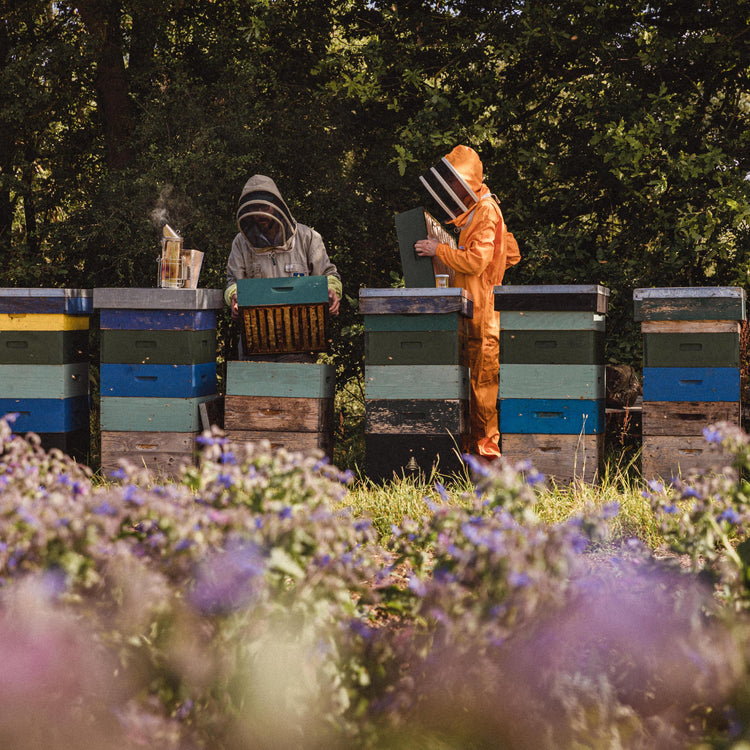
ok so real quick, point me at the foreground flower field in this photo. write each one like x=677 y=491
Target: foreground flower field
x=244 y=606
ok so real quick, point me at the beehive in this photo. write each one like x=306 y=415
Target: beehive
x=551 y=396
x=416 y=380
x=44 y=365
x=691 y=375
x=158 y=366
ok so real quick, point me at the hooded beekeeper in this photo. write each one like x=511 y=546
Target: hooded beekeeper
x=271 y=244
x=485 y=249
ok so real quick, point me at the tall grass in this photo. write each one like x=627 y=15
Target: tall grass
x=388 y=504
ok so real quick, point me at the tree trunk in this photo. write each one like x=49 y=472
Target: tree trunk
x=102 y=19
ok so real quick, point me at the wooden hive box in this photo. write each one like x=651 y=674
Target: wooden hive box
x=284 y=316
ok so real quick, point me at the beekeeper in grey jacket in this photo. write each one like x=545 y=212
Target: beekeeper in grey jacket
x=271 y=244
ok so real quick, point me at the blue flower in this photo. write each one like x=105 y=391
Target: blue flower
x=118 y=474
x=712 y=436
x=730 y=515
x=477 y=466
x=228 y=457
x=442 y=491
x=225 y=480
x=534 y=478
x=285 y=512
x=691 y=492
x=655 y=486
x=104 y=509
x=610 y=510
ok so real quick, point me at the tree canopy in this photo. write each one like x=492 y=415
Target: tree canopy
x=614 y=133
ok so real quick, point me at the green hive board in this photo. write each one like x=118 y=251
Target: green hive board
x=414 y=225
x=158 y=347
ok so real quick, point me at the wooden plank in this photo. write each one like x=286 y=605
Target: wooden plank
x=158 y=299
x=417 y=416
x=411 y=381
x=282 y=379
x=551 y=416
x=158 y=381
x=411 y=226
x=157 y=320
x=388 y=456
x=561 y=458
x=691 y=350
x=47 y=414
x=689 y=303
x=278 y=414
x=552 y=381
x=139 y=414
x=691 y=384
x=162 y=453
x=291 y=441
x=686 y=417
x=158 y=347
x=46 y=301
x=292 y=290
x=690 y=326
x=667 y=457
x=212 y=412
x=43 y=347
x=34 y=322
x=558 y=297
x=552 y=347
x=44 y=381
x=415 y=301
x=416 y=348
x=556 y=320
x=453 y=321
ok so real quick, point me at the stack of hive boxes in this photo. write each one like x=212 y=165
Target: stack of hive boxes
x=281 y=394
x=691 y=374
x=551 y=398
x=416 y=380
x=157 y=366
x=44 y=365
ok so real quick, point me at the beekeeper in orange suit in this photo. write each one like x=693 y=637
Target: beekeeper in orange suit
x=485 y=249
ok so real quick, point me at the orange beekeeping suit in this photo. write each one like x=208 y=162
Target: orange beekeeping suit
x=485 y=249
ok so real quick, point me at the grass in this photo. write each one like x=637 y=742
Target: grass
x=620 y=482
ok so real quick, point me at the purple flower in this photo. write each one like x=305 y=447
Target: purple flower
x=229 y=581
x=477 y=466
x=442 y=491
x=118 y=474
x=712 y=436
x=228 y=457
x=225 y=480
x=104 y=509
x=610 y=510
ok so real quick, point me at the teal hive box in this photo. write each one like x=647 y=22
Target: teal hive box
x=284 y=316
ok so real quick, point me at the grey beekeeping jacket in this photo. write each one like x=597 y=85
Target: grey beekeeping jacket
x=292 y=249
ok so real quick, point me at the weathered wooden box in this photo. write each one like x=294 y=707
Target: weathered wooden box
x=284 y=316
x=389 y=456
x=411 y=226
x=163 y=454
x=671 y=456
x=553 y=297
x=689 y=303
x=563 y=458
